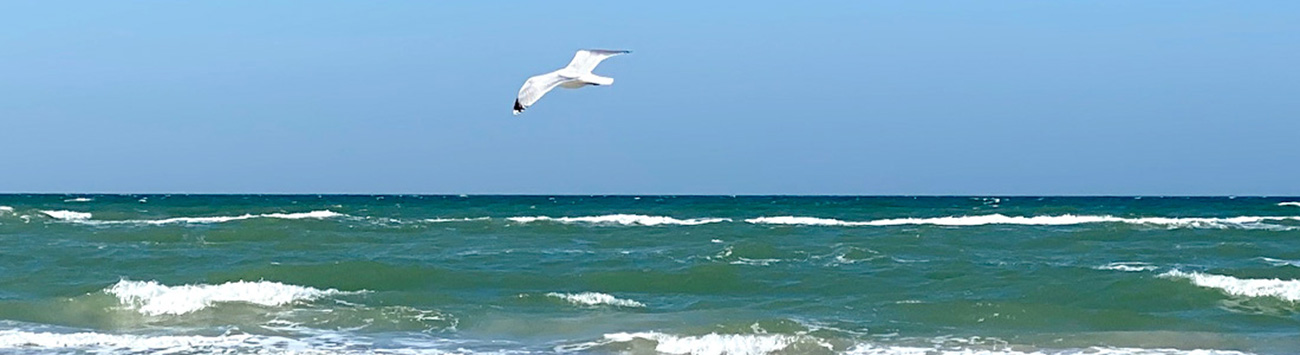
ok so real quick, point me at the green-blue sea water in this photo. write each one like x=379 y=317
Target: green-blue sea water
x=648 y=274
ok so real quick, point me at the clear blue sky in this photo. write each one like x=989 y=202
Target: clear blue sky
x=852 y=97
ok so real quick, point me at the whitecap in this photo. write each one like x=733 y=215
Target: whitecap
x=1284 y=289
x=79 y=199
x=446 y=220
x=68 y=215
x=11 y=339
x=621 y=219
x=321 y=214
x=152 y=298
x=875 y=349
x=1244 y=222
x=804 y=221
x=1289 y=203
x=6 y=209
x=1281 y=262
x=23 y=341
x=595 y=299
x=709 y=344
x=1127 y=266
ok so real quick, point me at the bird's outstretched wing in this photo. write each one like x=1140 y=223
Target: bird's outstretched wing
x=535 y=87
x=587 y=59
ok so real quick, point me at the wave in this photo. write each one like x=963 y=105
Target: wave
x=1134 y=266
x=1281 y=262
x=84 y=218
x=872 y=349
x=68 y=215
x=1289 y=203
x=1284 y=289
x=6 y=209
x=446 y=220
x=152 y=298
x=116 y=343
x=1245 y=222
x=621 y=219
x=713 y=343
x=595 y=299
x=79 y=199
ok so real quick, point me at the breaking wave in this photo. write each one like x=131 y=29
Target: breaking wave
x=1127 y=266
x=621 y=219
x=1284 y=289
x=1289 y=203
x=1244 y=222
x=595 y=299
x=152 y=298
x=68 y=215
x=84 y=218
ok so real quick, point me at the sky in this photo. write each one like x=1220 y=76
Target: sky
x=754 y=97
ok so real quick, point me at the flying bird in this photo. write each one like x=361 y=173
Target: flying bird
x=577 y=74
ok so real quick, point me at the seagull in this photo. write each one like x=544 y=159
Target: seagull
x=577 y=74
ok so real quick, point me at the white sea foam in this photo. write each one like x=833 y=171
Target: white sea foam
x=709 y=344
x=445 y=220
x=1284 y=289
x=595 y=299
x=79 y=199
x=1281 y=262
x=1289 y=203
x=22 y=341
x=114 y=343
x=152 y=298
x=1133 y=266
x=68 y=215
x=6 y=209
x=622 y=219
x=85 y=218
x=872 y=349
x=804 y=221
x=1244 y=222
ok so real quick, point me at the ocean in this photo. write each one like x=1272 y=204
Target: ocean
x=349 y=274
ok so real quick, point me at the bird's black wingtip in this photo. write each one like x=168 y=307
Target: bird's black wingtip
x=518 y=108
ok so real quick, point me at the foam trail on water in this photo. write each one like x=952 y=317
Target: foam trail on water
x=114 y=343
x=872 y=349
x=1281 y=262
x=1127 y=266
x=445 y=220
x=84 y=218
x=709 y=344
x=1289 y=203
x=68 y=215
x=595 y=299
x=621 y=219
x=152 y=298
x=1284 y=289
x=1244 y=222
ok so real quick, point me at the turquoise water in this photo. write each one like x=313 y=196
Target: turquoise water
x=649 y=274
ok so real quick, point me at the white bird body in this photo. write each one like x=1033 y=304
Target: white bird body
x=575 y=75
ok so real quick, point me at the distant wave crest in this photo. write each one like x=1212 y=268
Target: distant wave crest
x=1284 y=289
x=621 y=219
x=1127 y=266
x=153 y=298
x=68 y=215
x=1289 y=203
x=595 y=299
x=85 y=218
x=1245 y=222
